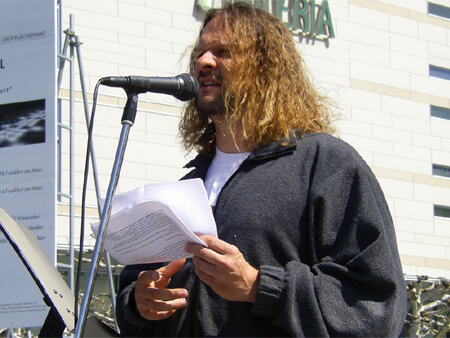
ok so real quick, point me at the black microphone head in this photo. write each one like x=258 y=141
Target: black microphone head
x=189 y=87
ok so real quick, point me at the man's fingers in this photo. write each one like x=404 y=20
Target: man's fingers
x=153 y=300
x=206 y=273
x=169 y=270
x=148 y=276
x=165 y=294
x=157 y=310
x=159 y=304
x=215 y=252
x=156 y=315
x=206 y=267
x=215 y=244
x=162 y=306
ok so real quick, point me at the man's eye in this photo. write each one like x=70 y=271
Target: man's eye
x=199 y=55
x=221 y=52
x=224 y=52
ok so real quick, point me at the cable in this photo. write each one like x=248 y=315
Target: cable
x=83 y=200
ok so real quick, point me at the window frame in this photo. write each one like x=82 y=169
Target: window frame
x=438 y=10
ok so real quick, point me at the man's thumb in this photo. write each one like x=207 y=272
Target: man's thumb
x=169 y=270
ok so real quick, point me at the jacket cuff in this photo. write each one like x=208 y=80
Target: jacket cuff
x=127 y=313
x=271 y=283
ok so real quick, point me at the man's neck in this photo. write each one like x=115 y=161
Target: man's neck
x=228 y=142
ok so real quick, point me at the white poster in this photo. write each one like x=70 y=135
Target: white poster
x=27 y=148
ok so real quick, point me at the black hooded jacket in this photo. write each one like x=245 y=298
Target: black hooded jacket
x=310 y=215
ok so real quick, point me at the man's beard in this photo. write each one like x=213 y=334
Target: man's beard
x=215 y=107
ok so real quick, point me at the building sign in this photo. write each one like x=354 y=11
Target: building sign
x=305 y=17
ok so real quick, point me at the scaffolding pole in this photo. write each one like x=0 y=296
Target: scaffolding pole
x=73 y=44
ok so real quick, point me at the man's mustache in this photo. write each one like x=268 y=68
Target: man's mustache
x=211 y=74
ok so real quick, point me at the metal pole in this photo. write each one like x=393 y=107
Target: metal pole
x=72 y=40
x=87 y=114
x=62 y=59
x=71 y=206
x=102 y=231
x=59 y=25
x=127 y=123
x=95 y=173
x=111 y=288
x=69 y=128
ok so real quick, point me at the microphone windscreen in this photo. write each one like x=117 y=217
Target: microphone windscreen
x=189 y=87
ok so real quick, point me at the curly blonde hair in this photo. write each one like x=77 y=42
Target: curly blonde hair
x=270 y=93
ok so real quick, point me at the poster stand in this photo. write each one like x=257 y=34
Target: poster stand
x=57 y=294
x=54 y=289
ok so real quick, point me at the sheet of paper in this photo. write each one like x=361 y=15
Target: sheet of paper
x=187 y=199
x=40 y=267
x=144 y=230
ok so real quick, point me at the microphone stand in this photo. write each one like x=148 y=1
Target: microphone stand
x=128 y=117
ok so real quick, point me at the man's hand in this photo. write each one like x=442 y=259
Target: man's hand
x=153 y=300
x=223 y=267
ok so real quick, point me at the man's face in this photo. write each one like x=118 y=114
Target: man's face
x=213 y=65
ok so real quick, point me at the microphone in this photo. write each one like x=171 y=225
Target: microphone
x=184 y=87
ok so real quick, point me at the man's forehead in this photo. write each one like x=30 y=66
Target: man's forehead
x=214 y=33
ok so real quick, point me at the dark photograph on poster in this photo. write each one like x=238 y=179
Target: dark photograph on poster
x=22 y=123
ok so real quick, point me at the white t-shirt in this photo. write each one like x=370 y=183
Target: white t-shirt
x=222 y=167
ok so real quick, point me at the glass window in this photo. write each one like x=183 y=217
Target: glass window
x=439 y=10
x=441 y=112
x=441 y=211
x=441 y=170
x=440 y=72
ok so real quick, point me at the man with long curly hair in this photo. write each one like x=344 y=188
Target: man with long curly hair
x=306 y=242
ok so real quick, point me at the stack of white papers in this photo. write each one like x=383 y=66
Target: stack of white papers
x=153 y=223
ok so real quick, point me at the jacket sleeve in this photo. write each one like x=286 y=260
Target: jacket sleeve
x=353 y=284
x=130 y=322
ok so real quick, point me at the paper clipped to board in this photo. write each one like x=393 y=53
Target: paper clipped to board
x=153 y=223
x=41 y=268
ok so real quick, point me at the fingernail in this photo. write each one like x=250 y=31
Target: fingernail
x=156 y=275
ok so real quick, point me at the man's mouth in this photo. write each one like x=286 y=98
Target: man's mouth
x=208 y=81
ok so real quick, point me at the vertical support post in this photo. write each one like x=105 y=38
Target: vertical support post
x=95 y=172
x=72 y=41
x=71 y=184
x=127 y=122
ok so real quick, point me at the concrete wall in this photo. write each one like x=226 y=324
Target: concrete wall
x=377 y=69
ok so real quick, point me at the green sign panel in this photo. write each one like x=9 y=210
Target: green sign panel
x=301 y=16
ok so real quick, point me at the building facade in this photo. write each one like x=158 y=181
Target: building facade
x=385 y=62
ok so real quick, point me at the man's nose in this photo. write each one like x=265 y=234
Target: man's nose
x=207 y=60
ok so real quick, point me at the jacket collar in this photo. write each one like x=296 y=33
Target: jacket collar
x=274 y=149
